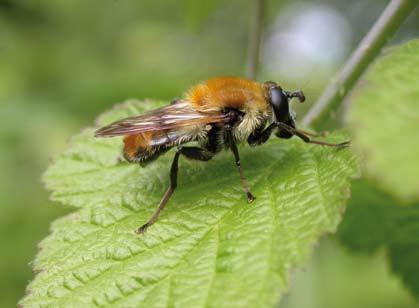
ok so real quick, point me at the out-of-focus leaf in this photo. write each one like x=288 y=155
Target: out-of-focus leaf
x=209 y=247
x=197 y=12
x=372 y=221
x=384 y=118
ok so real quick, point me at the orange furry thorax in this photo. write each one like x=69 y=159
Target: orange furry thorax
x=227 y=92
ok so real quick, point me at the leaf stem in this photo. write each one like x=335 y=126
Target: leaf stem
x=255 y=39
x=370 y=46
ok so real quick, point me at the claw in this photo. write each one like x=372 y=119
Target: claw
x=142 y=229
x=250 y=197
x=344 y=144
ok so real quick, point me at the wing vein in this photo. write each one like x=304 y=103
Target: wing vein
x=177 y=115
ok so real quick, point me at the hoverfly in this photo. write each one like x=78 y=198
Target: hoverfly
x=217 y=114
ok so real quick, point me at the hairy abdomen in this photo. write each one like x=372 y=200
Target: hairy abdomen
x=138 y=147
x=148 y=146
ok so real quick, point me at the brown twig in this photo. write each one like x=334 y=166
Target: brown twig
x=255 y=39
x=384 y=28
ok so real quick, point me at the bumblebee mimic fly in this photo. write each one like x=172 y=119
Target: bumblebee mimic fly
x=216 y=114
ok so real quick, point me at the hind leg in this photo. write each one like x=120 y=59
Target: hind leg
x=189 y=152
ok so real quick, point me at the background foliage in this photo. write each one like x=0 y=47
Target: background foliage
x=390 y=92
x=62 y=62
x=375 y=220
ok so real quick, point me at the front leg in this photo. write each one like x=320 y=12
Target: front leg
x=261 y=135
x=302 y=135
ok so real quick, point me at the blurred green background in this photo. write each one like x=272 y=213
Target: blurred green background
x=64 y=62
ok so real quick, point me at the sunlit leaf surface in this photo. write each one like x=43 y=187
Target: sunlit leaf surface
x=209 y=247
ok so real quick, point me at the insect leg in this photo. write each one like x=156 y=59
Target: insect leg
x=320 y=134
x=261 y=136
x=166 y=196
x=196 y=153
x=189 y=152
x=235 y=151
x=307 y=139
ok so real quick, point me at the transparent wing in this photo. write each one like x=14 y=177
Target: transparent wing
x=176 y=115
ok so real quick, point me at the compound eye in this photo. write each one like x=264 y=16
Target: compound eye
x=279 y=103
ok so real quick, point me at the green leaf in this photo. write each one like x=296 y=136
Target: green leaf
x=384 y=118
x=209 y=246
x=372 y=221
